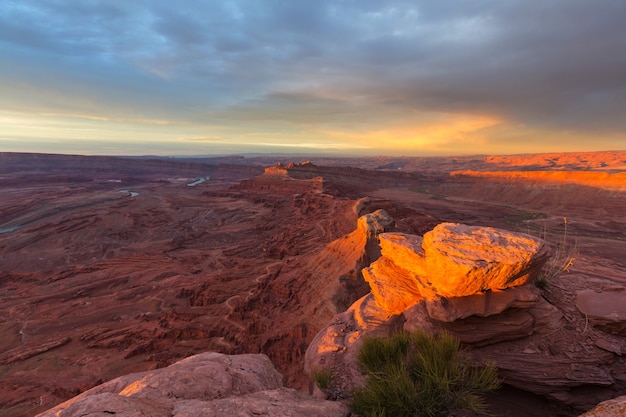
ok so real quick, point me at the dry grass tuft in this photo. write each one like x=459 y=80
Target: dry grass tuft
x=563 y=257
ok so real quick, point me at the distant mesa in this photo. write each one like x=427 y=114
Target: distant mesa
x=283 y=169
x=606 y=180
x=275 y=170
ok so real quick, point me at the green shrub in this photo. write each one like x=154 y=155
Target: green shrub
x=376 y=353
x=323 y=378
x=419 y=374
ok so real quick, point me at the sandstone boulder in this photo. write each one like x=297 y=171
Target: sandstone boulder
x=615 y=407
x=459 y=270
x=405 y=250
x=477 y=330
x=462 y=260
x=376 y=222
x=208 y=384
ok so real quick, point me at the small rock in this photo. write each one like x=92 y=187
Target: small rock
x=554 y=350
x=608 y=346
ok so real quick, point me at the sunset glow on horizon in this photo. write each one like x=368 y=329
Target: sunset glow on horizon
x=352 y=78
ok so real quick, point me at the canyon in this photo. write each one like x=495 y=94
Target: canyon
x=111 y=266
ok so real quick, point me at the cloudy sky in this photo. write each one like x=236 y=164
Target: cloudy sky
x=299 y=76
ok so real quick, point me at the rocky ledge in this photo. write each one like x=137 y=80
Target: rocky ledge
x=208 y=384
x=476 y=283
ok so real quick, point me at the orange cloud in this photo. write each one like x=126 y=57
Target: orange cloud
x=428 y=131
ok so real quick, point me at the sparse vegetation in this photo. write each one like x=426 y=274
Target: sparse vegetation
x=523 y=218
x=562 y=258
x=419 y=374
x=423 y=190
x=323 y=378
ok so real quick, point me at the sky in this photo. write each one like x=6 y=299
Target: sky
x=363 y=77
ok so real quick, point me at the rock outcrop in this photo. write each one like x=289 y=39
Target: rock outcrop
x=605 y=308
x=505 y=320
x=482 y=274
x=457 y=271
x=455 y=260
x=293 y=305
x=615 y=407
x=335 y=348
x=208 y=384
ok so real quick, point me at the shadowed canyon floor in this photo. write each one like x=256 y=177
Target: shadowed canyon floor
x=110 y=266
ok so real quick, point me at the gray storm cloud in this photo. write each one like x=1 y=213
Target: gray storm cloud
x=558 y=65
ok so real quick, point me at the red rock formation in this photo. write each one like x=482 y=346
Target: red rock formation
x=452 y=260
x=289 y=309
x=208 y=384
x=336 y=346
x=605 y=309
x=494 y=322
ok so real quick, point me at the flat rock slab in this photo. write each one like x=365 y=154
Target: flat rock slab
x=209 y=384
x=605 y=310
x=487 y=303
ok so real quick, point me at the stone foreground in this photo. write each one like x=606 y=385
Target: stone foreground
x=209 y=384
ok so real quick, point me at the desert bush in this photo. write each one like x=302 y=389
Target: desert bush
x=323 y=378
x=419 y=374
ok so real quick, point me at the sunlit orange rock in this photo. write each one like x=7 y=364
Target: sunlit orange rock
x=452 y=262
x=462 y=260
x=606 y=180
x=394 y=288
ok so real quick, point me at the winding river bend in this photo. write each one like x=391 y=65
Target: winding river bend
x=198 y=180
x=132 y=193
